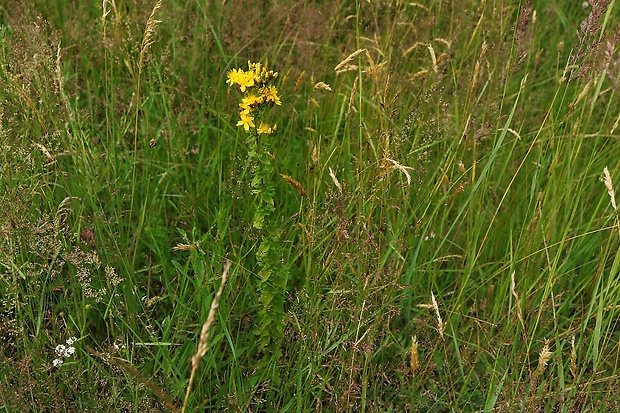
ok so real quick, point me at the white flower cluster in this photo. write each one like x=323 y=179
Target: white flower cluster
x=64 y=351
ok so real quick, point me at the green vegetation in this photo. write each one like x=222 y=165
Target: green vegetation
x=441 y=215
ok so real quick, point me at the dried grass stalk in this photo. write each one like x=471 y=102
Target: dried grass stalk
x=104 y=16
x=606 y=178
x=402 y=168
x=60 y=81
x=299 y=80
x=147 y=40
x=421 y=73
x=336 y=182
x=344 y=65
x=295 y=185
x=433 y=57
x=440 y=324
x=185 y=247
x=204 y=334
x=352 y=99
x=573 y=358
x=323 y=86
x=415 y=46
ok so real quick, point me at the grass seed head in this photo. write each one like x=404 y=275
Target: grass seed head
x=543 y=358
x=414 y=360
x=295 y=185
x=335 y=180
x=147 y=40
x=440 y=324
x=345 y=65
x=573 y=358
x=322 y=86
x=606 y=178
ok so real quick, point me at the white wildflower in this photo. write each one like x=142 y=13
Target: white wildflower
x=64 y=351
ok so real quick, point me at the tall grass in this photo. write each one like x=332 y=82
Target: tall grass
x=445 y=203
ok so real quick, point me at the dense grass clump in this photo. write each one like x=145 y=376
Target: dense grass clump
x=427 y=222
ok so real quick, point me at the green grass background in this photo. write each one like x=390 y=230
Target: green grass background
x=468 y=140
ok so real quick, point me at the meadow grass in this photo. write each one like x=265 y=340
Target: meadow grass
x=444 y=177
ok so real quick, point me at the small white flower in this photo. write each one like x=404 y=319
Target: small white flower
x=60 y=350
x=57 y=362
x=66 y=351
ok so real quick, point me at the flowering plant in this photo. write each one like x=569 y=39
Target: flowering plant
x=64 y=351
x=258 y=96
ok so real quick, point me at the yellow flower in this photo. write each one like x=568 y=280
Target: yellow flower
x=248 y=103
x=246 y=80
x=246 y=121
x=234 y=76
x=254 y=84
x=243 y=109
x=264 y=128
x=270 y=94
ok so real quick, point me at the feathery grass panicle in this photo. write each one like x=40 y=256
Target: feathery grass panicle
x=606 y=178
x=402 y=168
x=345 y=66
x=147 y=41
x=206 y=327
x=322 y=86
x=431 y=50
x=204 y=333
x=543 y=359
x=105 y=11
x=536 y=377
x=149 y=31
x=440 y=324
x=335 y=180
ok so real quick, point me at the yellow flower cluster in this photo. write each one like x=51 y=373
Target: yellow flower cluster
x=258 y=93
